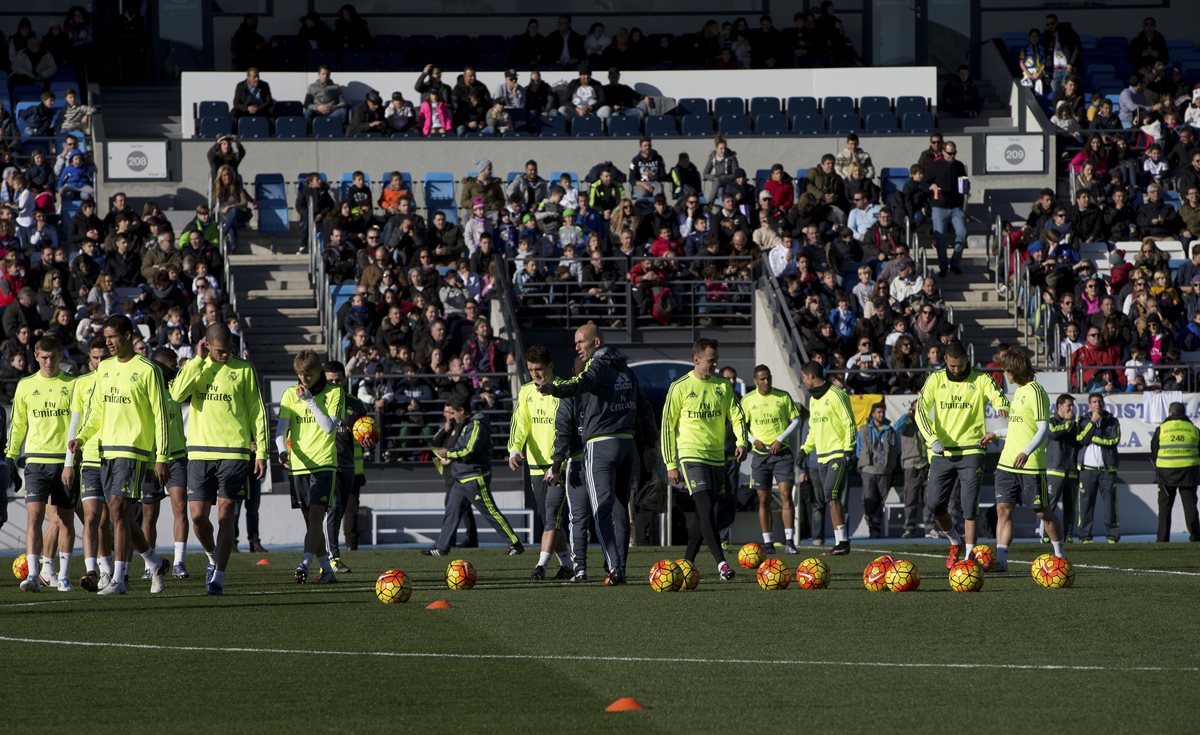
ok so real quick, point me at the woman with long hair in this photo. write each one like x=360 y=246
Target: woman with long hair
x=905 y=357
x=621 y=219
x=233 y=205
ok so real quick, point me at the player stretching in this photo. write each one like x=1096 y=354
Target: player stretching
x=771 y=417
x=128 y=415
x=176 y=486
x=832 y=437
x=614 y=420
x=950 y=418
x=531 y=441
x=227 y=416
x=306 y=439
x=1022 y=469
x=697 y=409
x=97 y=529
x=41 y=418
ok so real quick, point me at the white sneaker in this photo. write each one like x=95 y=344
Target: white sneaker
x=326 y=578
x=158 y=577
x=114 y=588
x=30 y=584
x=105 y=580
x=64 y=585
x=47 y=576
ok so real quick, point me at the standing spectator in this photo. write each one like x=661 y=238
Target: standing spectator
x=314 y=197
x=949 y=189
x=324 y=97
x=1099 y=435
x=528 y=48
x=877 y=454
x=1032 y=61
x=350 y=30
x=430 y=80
x=227 y=151
x=960 y=95
x=32 y=65
x=1149 y=46
x=564 y=47
x=247 y=44
x=314 y=33
x=252 y=96
x=1064 y=52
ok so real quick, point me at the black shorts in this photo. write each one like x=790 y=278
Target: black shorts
x=209 y=479
x=769 y=470
x=43 y=483
x=121 y=477
x=91 y=486
x=177 y=476
x=314 y=489
x=1014 y=487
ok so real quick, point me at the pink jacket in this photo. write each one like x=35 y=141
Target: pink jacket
x=425 y=117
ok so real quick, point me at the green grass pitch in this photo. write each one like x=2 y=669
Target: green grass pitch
x=1115 y=653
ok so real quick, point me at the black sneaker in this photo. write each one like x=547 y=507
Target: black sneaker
x=301 y=575
x=790 y=548
x=941 y=273
x=257 y=548
x=515 y=549
x=768 y=548
x=614 y=578
x=956 y=270
x=566 y=573
x=839 y=549
x=432 y=551
x=89 y=582
x=579 y=576
x=539 y=572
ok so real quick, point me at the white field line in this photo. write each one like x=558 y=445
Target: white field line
x=597 y=659
x=68 y=597
x=1102 y=567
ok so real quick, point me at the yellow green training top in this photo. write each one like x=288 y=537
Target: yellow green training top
x=769 y=416
x=1030 y=404
x=310 y=448
x=228 y=414
x=41 y=418
x=532 y=427
x=81 y=397
x=832 y=430
x=694 y=419
x=128 y=411
x=952 y=411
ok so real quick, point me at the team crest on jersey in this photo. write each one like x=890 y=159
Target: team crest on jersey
x=232 y=375
x=134 y=377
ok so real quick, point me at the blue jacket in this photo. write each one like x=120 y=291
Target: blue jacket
x=76 y=176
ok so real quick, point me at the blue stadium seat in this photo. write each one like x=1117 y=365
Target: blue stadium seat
x=587 y=127
x=439 y=194
x=549 y=132
x=808 y=123
x=213 y=126
x=838 y=106
x=692 y=106
x=347 y=180
x=910 y=103
x=771 y=123
x=620 y=126
x=868 y=106
x=292 y=126
x=554 y=123
x=511 y=133
x=271 y=194
x=844 y=123
x=801 y=106
x=357 y=61
x=386 y=177
x=60 y=89
x=288 y=107
x=697 y=125
x=661 y=126
x=763 y=106
x=881 y=122
x=893 y=179
x=556 y=175
x=212 y=108
x=723 y=106
x=253 y=126
x=26 y=92
x=760 y=178
x=918 y=122
x=733 y=125
x=328 y=126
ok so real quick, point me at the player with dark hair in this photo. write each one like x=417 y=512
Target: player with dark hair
x=1062 y=468
x=950 y=417
x=832 y=436
x=698 y=407
x=1099 y=434
x=771 y=418
x=97 y=528
x=350 y=464
x=176 y=486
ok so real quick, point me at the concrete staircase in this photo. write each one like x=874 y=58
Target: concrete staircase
x=277 y=304
x=978 y=307
x=148 y=112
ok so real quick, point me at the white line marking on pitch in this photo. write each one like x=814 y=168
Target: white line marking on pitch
x=1130 y=570
x=600 y=659
x=79 y=598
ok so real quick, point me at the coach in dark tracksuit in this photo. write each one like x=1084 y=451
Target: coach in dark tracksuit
x=1062 y=462
x=1099 y=434
x=1175 y=449
x=613 y=418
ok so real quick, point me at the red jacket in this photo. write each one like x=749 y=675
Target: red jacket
x=1107 y=355
x=660 y=247
x=783 y=192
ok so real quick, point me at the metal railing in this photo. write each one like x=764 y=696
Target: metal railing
x=1077 y=382
x=785 y=325
x=508 y=311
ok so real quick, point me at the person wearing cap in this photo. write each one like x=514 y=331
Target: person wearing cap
x=905 y=286
x=510 y=93
x=647 y=171
x=324 y=97
x=622 y=98
x=368 y=116
x=252 y=96
x=400 y=114
x=585 y=98
x=482 y=186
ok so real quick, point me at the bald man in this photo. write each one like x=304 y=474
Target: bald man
x=614 y=419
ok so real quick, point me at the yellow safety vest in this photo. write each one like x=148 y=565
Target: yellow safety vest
x=1178 y=445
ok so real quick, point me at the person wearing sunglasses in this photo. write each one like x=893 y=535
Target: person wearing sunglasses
x=949 y=189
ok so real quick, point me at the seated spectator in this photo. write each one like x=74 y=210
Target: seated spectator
x=8 y=127
x=1156 y=219
x=647 y=171
x=33 y=64
x=863 y=216
x=324 y=97
x=470 y=113
x=74 y=117
x=853 y=153
x=76 y=181
x=315 y=198
x=399 y=115
x=596 y=40
x=825 y=184
x=202 y=224
x=38 y=121
x=621 y=98
x=584 y=97
x=906 y=286
x=252 y=96
x=482 y=186
x=368 y=116
x=434 y=115
x=233 y=204
x=781 y=187
x=227 y=151
x=1133 y=101
x=720 y=170
x=540 y=99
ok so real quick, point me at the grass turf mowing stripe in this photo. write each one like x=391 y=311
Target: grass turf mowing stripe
x=599 y=659
x=1102 y=567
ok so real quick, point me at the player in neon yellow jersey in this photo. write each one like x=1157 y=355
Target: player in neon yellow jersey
x=41 y=419
x=771 y=418
x=306 y=439
x=832 y=436
x=175 y=489
x=698 y=407
x=1022 y=470
x=97 y=528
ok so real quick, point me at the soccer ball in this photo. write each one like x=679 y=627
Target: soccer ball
x=392 y=587
x=875 y=575
x=1057 y=574
x=984 y=556
x=689 y=573
x=751 y=556
x=1035 y=569
x=21 y=567
x=902 y=576
x=966 y=576
x=665 y=576
x=774 y=574
x=460 y=575
x=365 y=429
x=812 y=574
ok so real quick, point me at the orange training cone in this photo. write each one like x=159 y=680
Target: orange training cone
x=438 y=605
x=263 y=562
x=624 y=704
